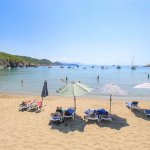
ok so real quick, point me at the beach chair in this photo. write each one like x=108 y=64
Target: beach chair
x=56 y=117
x=133 y=105
x=103 y=115
x=147 y=113
x=91 y=115
x=69 y=113
x=32 y=106
x=23 y=106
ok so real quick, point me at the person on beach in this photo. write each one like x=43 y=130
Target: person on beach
x=59 y=109
x=24 y=103
x=39 y=105
x=148 y=76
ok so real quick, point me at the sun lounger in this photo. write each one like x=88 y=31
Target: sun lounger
x=103 y=115
x=69 y=113
x=133 y=105
x=32 y=106
x=56 y=117
x=23 y=107
x=147 y=113
x=91 y=115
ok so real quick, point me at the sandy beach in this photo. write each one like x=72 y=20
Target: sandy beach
x=30 y=131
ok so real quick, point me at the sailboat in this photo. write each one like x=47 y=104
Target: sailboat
x=118 y=67
x=102 y=67
x=133 y=67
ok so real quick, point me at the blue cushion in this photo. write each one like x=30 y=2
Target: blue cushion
x=70 y=111
x=134 y=103
x=147 y=111
x=102 y=112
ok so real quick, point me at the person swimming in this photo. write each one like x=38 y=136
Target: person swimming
x=62 y=80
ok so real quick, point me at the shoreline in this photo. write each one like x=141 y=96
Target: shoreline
x=100 y=97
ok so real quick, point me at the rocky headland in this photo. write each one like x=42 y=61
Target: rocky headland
x=13 y=61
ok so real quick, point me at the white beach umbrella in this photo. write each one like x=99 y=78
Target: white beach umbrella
x=112 y=89
x=143 y=86
x=74 y=89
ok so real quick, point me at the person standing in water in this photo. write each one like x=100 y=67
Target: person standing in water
x=66 y=80
x=148 y=76
x=98 y=78
x=22 y=83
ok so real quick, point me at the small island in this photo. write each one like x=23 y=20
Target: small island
x=147 y=65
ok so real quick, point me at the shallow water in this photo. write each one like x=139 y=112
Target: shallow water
x=33 y=78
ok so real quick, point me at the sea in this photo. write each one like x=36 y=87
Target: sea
x=29 y=81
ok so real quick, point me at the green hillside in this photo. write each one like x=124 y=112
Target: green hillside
x=24 y=59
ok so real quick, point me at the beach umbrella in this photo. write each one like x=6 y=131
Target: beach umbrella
x=44 y=90
x=112 y=89
x=74 y=89
x=143 y=86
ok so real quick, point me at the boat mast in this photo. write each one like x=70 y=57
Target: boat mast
x=132 y=60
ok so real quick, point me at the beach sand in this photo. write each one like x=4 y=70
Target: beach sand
x=30 y=131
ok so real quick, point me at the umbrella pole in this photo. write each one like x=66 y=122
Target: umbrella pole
x=74 y=102
x=42 y=102
x=110 y=104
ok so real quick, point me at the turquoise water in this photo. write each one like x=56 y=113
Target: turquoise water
x=10 y=79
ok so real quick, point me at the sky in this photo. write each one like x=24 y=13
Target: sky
x=102 y=32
